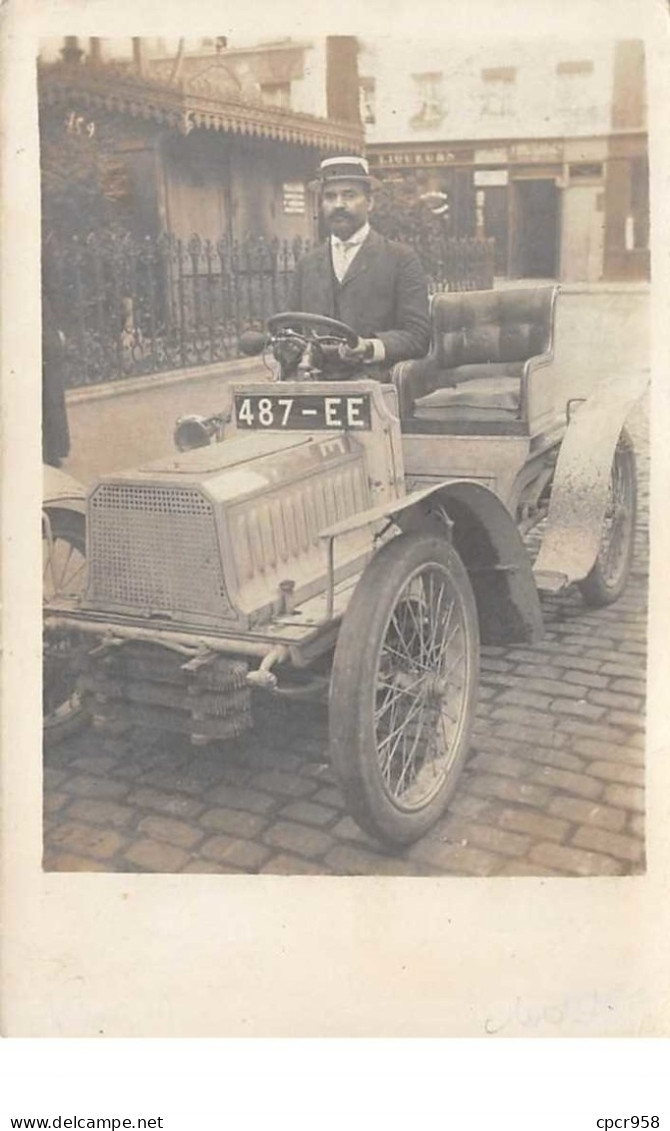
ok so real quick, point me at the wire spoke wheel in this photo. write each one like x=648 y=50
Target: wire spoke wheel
x=403 y=687
x=609 y=575
x=63 y=577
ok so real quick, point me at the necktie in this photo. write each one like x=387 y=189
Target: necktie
x=343 y=258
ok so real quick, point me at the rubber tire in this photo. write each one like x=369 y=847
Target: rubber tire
x=595 y=588
x=69 y=526
x=353 y=747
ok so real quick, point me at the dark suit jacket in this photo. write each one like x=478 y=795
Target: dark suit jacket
x=383 y=295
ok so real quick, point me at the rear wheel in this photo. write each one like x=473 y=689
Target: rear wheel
x=404 y=686
x=64 y=576
x=609 y=574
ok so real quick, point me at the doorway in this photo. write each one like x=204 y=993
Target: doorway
x=535 y=229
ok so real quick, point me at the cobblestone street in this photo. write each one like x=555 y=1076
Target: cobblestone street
x=553 y=786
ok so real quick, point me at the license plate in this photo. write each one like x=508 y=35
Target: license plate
x=347 y=411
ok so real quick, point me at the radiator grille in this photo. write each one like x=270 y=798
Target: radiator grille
x=155 y=549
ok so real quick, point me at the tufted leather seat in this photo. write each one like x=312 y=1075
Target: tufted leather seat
x=482 y=344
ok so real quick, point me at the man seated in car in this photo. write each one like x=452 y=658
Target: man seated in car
x=376 y=286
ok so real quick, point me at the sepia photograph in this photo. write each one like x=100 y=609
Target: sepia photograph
x=334 y=353
x=345 y=368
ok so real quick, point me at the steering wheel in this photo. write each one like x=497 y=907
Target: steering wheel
x=294 y=320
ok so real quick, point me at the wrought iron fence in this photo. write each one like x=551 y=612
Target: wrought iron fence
x=130 y=307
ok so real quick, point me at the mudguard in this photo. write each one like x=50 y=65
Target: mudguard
x=60 y=489
x=581 y=482
x=488 y=543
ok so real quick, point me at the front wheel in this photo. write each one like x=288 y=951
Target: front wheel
x=404 y=687
x=64 y=576
x=609 y=575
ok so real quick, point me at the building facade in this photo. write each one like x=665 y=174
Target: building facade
x=206 y=139
x=539 y=145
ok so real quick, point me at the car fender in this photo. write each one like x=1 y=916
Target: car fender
x=488 y=542
x=581 y=481
x=60 y=489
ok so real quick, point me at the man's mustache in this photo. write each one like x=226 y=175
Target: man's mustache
x=340 y=215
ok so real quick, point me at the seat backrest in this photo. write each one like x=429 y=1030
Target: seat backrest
x=474 y=327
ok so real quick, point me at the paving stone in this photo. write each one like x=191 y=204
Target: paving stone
x=598 y=732
x=354 y=860
x=636 y=646
x=553 y=687
x=322 y=771
x=235 y=822
x=558 y=758
x=84 y=840
x=617 y=700
x=286 y=865
x=574 y=861
x=244 y=854
x=580 y=784
x=522 y=793
x=575 y=809
x=500 y=764
x=532 y=736
x=534 y=824
x=539 y=720
x=526 y=868
x=457 y=831
x=174 y=782
x=618 y=772
x=595 y=751
x=625 y=797
x=577 y=707
x=239 y=797
x=458 y=859
x=623 y=670
x=540 y=671
x=464 y=805
x=213 y=867
x=105 y=789
x=53 y=802
x=309 y=813
x=276 y=781
x=628 y=720
x=299 y=839
x=586 y=679
x=612 y=844
x=52 y=778
x=175 y=806
x=95 y=763
x=70 y=862
x=637 y=825
x=630 y=686
x=156 y=856
x=331 y=796
x=491 y=664
x=174 y=832
x=101 y=812
x=528 y=699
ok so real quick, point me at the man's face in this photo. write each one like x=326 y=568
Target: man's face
x=345 y=206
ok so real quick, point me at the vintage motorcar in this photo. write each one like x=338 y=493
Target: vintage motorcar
x=325 y=532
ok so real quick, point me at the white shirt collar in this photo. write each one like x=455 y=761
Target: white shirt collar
x=357 y=238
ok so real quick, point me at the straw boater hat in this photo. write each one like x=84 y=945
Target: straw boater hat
x=344 y=169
